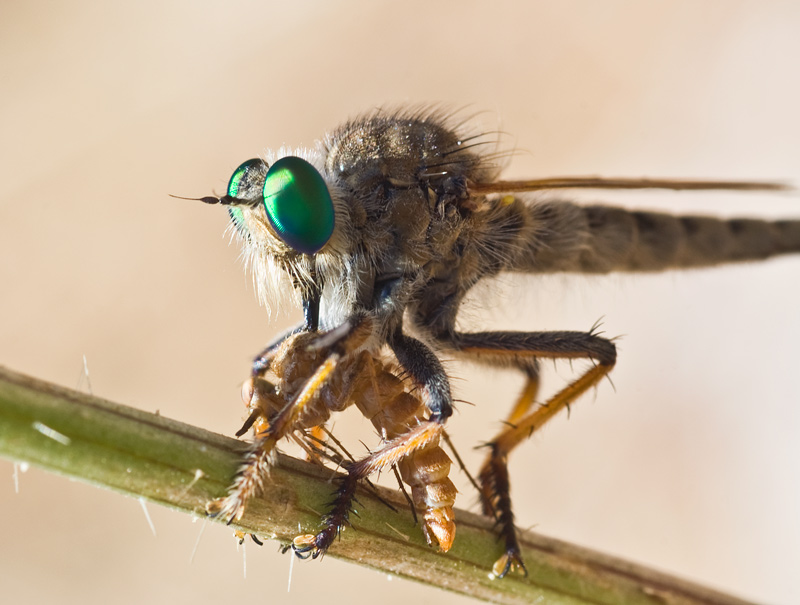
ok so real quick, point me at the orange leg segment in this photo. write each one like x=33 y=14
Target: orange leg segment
x=522 y=350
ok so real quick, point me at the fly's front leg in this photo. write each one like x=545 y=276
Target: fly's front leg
x=522 y=350
x=426 y=371
x=249 y=481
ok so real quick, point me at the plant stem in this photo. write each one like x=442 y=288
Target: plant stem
x=183 y=467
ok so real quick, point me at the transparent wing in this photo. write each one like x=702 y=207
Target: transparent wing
x=591 y=182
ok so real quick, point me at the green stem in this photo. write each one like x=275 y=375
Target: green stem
x=183 y=467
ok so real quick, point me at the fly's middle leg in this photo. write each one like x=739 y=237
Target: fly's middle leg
x=391 y=453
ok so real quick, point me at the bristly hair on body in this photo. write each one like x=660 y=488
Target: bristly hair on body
x=272 y=280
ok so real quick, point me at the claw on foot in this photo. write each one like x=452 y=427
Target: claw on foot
x=241 y=536
x=306 y=546
x=510 y=561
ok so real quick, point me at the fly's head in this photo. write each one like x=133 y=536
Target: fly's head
x=360 y=224
x=293 y=225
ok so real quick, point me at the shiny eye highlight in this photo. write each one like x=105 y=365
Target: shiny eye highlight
x=298 y=204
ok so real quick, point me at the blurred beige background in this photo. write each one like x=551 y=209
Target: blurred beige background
x=691 y=464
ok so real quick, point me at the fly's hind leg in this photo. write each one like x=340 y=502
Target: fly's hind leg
x=522 y=350
x=521 y=408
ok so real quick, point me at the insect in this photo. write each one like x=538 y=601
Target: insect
x=382 y=229
x=369 y=383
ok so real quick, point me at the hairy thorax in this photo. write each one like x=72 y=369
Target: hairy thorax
x=405 y=180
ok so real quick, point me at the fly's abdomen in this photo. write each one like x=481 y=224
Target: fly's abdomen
x=561 y=236
x=620 y=240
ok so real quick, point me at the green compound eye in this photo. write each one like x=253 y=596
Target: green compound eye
x=299 y=205
x=245 y=177
x=246 y=183
x=237 y=217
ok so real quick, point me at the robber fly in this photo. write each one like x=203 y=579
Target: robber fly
x=382 y=229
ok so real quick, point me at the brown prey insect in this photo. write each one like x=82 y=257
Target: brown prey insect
x=369 y=383
x=381 y=230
